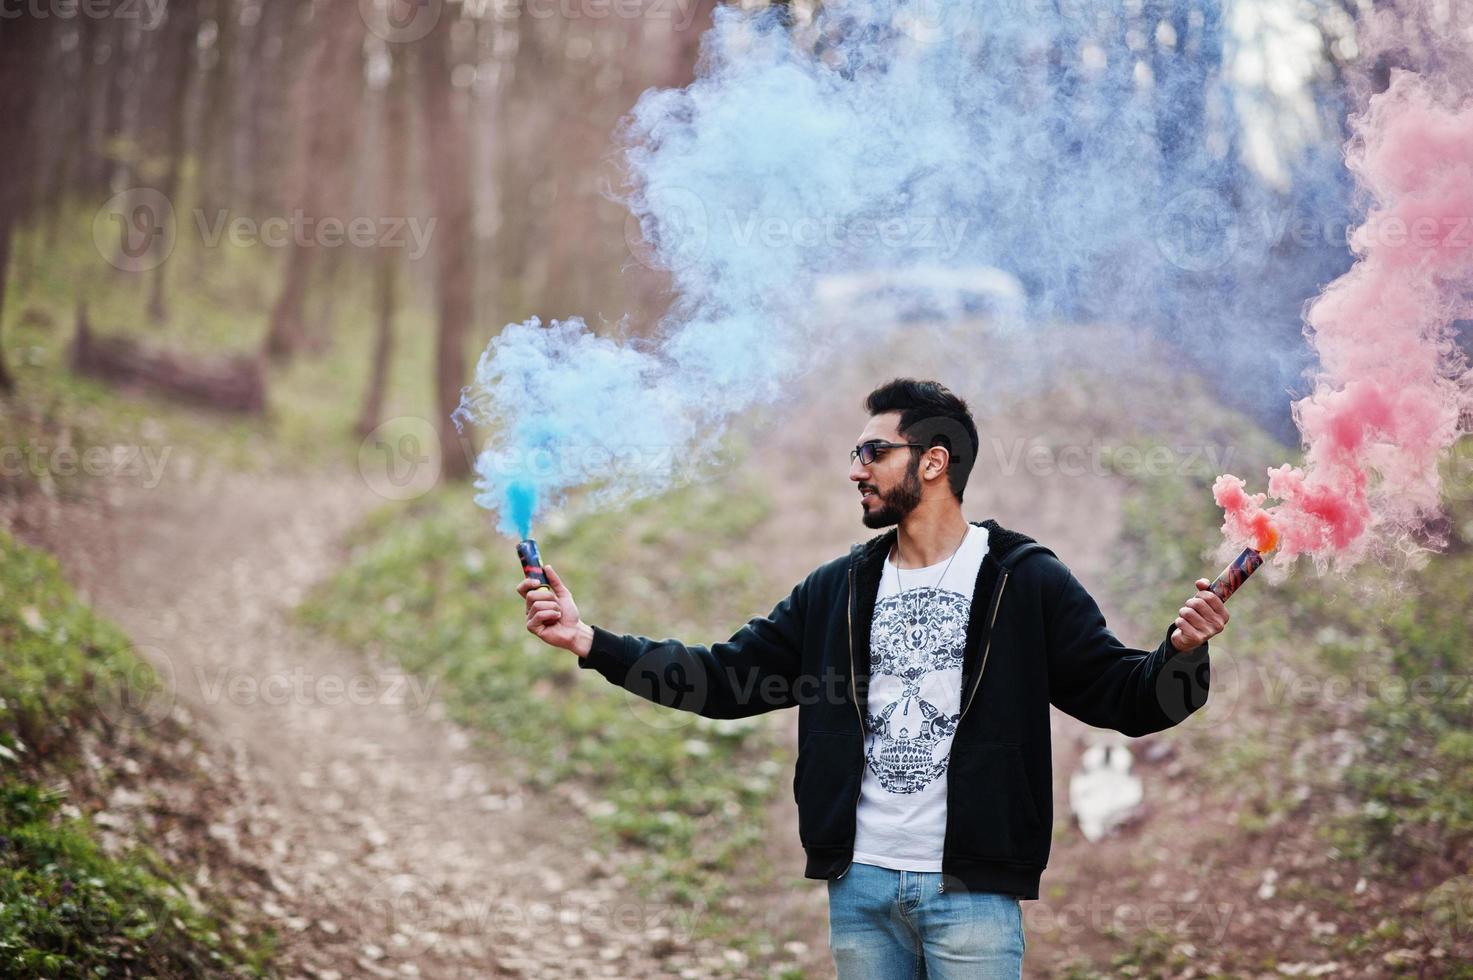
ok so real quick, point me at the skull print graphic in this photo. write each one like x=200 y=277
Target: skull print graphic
x=916 y=648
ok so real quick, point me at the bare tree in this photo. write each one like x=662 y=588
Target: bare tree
x=219 y=108
x=448 y=173
x=26 y=50
x=178 y=57
x=264 y=135
x=394 y=165
x=523 y=119
x=323 y=161
x=120 y=42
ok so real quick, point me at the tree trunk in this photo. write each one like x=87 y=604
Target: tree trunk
x=263 y=58
x=56 y=138
x=395 y=164
x=115 y=77
x=322 y=164
x=449 y=175
x=386 y=276
x=317 y=337
x=284 y=336
x=7 y=381
x=179 y=55
x=27 y=42
x=519 y=166
x=83 y=151
x=215 y=156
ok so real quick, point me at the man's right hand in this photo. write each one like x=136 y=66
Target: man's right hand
x=552 y=617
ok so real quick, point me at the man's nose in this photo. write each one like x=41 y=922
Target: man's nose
x=858 y=471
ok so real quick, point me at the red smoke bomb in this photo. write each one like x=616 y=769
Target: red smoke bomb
x=531 y=561
x=1236 y=574
x=1233 y=577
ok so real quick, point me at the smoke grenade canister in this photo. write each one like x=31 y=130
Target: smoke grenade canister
x=1236 y=573
x=532 y=561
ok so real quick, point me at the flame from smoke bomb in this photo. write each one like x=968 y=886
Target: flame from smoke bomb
x=1246 y=520
x=1391 y=382
x=887 y=134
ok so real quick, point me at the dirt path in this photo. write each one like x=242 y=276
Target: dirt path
x=388 y=846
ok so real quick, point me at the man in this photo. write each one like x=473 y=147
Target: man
x=923 y=664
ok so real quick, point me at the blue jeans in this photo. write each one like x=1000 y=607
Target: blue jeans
x=901 y=925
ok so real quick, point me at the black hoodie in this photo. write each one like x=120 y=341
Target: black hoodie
x=1035 y=638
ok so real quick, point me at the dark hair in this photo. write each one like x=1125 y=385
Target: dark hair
x=931 y=414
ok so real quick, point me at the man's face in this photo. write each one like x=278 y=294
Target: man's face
x=890 y=487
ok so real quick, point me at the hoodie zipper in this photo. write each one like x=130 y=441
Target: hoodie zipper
x=996 y=605
x=986 y=648
x=854 y=692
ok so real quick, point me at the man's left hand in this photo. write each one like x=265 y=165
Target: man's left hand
x=1202 y=618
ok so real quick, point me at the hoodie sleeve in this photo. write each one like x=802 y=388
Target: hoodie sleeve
x=1102 y=682
x=753 y=672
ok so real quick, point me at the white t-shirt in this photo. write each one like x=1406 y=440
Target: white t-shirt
x=916 y=646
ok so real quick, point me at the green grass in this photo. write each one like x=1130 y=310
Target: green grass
x=433 y=587
x=64 y=668
x=1414 y=779
x=67 y=909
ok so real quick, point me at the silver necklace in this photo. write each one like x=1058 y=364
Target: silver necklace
x=910 y=604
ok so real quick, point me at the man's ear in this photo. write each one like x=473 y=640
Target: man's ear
x=949 y=435
x=942 y=463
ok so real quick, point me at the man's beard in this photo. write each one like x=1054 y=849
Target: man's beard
x=897 y=503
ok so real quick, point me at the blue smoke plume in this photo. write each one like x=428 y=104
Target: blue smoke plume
x=1088 y=153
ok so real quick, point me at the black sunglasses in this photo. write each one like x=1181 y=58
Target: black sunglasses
x=868 y=452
